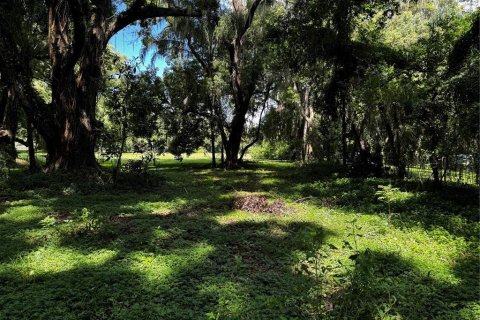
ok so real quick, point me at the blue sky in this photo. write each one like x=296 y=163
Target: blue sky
x=128 y=43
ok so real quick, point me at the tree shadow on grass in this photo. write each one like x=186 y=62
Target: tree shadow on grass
x=13 y=240
x=384 y=285
x=184 y=265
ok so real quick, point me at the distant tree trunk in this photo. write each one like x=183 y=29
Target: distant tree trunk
x=31 y=150
x=360 y=146
x=401 y=160
x=116 y=171
x=395 y=142
x=366 y=164
x=212 y=140
x=344 y=131
x=3 y=103
x=222 y=155
x=306 y=148
x=306 y=111
x=435 y=170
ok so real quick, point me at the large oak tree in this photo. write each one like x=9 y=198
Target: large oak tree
x=77 y=36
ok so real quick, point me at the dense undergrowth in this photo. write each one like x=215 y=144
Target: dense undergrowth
x=171 y=246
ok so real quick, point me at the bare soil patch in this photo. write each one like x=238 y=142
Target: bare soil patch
x=258 y=203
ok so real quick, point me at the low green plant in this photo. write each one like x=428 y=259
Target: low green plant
x=317 y=265
x=354 y=233
x=311 y=265
x=89 y=220
x=48 y=222
x=388 y=194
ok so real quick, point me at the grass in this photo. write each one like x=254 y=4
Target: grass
x=171 y=247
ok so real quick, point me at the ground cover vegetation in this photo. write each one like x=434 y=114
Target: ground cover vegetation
x=177 y=247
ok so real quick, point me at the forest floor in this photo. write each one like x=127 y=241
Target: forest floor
x=186 y=242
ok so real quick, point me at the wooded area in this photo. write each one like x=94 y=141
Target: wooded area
x=292 y=160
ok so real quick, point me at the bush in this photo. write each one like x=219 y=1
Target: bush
x=271 y=151
x=135 y=167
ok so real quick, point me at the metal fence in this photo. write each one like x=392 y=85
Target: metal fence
x=462 y=169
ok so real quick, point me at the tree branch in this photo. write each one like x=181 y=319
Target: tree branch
x=257 y=135
x=21 y=141
x=249 y=21
x=78 y=11
x=197 y=56
x=141 y=11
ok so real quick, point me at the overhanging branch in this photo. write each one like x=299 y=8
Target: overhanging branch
x=140 y=11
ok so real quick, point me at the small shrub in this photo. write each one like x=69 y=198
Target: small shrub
x=388 y=194
x=48 y=222
x=135 y=167
x=89 y=220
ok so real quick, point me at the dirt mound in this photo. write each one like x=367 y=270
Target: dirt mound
x=256 y=203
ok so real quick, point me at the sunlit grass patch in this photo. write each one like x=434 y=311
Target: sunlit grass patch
x=53 y=259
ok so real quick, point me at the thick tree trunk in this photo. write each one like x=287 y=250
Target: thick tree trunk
x=76 y=71
x=9 y=125
x=232 y=147
x=75 y=148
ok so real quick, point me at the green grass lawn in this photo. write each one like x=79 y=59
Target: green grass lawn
x=170 y=246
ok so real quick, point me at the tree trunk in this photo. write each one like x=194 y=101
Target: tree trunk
x=400 y=161
x=3 y=103
x=306 y=146
x=232 y=147
x=395 y=143
x=9 y=125
x=116 y=171
x=435 y=170
x=75 y=122
x=344 y=131
x=307 y=114
x=257 y=133
x=31 y=150
x=242 y=89
x=212 y=141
